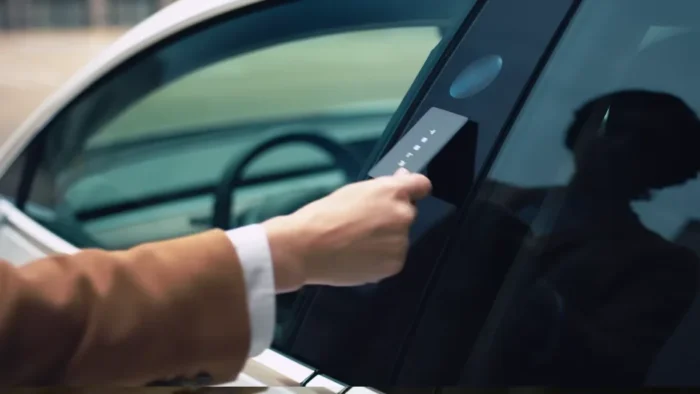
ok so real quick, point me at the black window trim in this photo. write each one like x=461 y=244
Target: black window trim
x=482 y=173
x=497 y=311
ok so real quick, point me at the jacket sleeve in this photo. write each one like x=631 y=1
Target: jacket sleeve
x=160 y=311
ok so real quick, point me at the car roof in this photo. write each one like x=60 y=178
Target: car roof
x=170 y=20
x=167 y=22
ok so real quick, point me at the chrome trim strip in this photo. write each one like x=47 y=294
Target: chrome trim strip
x=284 y=365
x=327 y=383
x=362 y=390
x=247 y=380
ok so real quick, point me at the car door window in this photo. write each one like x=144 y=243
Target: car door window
x=600 y=169
x=279 y=122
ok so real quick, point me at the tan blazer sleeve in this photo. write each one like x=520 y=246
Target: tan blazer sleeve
x=160 y=311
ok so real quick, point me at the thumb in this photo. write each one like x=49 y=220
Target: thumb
x=402 y=171
x=414 y=186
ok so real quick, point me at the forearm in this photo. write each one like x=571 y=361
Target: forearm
x=174 y=307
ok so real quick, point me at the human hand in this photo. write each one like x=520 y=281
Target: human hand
x=356 y=235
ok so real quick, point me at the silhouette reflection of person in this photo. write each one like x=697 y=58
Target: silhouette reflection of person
x=607 y=292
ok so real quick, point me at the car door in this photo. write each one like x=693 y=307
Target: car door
x=479 y=76
x=221 y=123
x=573 y=257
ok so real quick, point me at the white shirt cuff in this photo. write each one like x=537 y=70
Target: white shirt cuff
x=253 y=251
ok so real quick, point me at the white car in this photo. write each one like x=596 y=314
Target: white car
x=187 y=94
x=282 y=102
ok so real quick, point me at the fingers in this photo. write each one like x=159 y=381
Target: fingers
x=405 y=213
x=414 y=186
x=402 y=171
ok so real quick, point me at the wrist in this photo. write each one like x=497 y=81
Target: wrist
x=288 y=253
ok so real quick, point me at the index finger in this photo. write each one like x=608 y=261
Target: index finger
x=414 y=186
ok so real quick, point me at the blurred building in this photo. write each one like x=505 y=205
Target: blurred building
x=33 y=14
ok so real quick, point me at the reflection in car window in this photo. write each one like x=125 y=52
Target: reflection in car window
x=601 y=169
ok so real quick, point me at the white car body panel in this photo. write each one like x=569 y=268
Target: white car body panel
x=22 y=239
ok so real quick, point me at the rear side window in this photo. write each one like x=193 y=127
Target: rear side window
x=600 y=172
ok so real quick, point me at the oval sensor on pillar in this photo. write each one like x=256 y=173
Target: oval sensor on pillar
x=477 y=76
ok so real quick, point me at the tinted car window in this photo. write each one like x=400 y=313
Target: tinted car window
x=599 y=171
x=374 y=335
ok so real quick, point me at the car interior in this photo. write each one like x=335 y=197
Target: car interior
x=489 y=296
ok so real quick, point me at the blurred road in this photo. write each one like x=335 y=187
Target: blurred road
x=33 y=64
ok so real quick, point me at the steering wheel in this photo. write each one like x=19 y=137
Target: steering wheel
x=343 y=159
